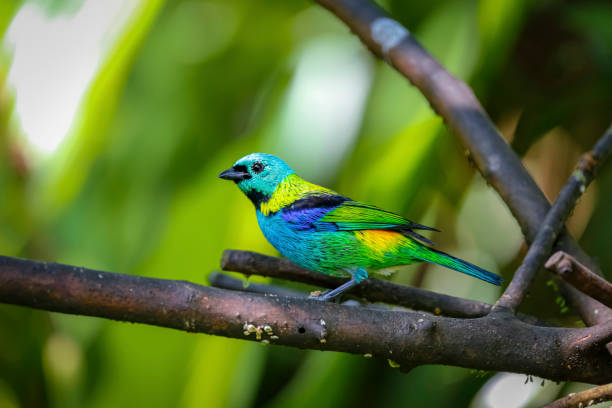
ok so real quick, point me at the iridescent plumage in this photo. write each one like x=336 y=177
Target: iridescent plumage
x=323 y=231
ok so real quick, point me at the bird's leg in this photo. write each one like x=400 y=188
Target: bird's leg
x=358 y=275
x=330 y=294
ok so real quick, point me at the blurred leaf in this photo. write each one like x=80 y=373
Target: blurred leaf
x=71 y=165
x=499 y=24
x=141 y=361
x=399 y=125
x=225 y=373
x=593 y=19
x=324 y=380
x=8 y=8
x=399 y=163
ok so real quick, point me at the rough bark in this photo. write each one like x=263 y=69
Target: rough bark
x=579 y=276
x=500 y=342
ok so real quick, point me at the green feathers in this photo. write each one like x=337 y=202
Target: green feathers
x=355 y=215
x=325 y=232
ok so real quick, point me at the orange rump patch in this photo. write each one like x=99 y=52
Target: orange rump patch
x=381 y=241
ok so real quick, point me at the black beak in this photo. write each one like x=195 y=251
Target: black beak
x=234 y=175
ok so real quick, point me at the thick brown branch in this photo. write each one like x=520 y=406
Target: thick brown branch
x=455 y=102
x=579 y=276
x=584 y=399
x=554 y=221
x=500 y=343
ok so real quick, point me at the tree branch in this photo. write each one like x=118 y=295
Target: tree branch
x=372 y=289
x=579 y=276
x=500 y=343
x=456 y=103
x=222 y=281
x=554 y=221
x=584 y=399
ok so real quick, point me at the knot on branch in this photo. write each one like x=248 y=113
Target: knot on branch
x=561 y=263
x=588 y=162
x=582 y=278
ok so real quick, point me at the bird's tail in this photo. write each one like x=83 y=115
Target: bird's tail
x=449 y=261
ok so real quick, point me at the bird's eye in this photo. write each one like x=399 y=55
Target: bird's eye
x=257 y=167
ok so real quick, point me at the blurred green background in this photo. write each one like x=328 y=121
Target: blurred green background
x=116 y=117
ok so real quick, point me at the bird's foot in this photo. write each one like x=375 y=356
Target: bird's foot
x=357 y=276
x=330 y=294
x=320 y=295
x=315 y=294
x=325 y=298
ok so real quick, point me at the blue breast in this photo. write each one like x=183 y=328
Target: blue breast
x=296 y=236
x=286 y=236
x=316 y=245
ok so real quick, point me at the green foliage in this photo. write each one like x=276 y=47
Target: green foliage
x=559 y=300
x=480 y=373
x=187 y=87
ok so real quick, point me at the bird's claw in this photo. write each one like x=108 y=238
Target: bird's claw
x=315 y=294
x=322 y=296
x=316 y=298
x=318 y=295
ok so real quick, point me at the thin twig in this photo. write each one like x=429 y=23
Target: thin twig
x=554 y=222
x=373 y=290
x=579 y=276
x=406 y=337
x=584 y=399
x=455 y=102
x=223 y=281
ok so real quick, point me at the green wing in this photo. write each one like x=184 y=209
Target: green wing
x=355 y=215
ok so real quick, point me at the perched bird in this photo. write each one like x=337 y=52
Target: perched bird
x=323 y=231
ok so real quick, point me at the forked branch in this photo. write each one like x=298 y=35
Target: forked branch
x=456 y=103
x=554 y=221
x=500 y=343
x=579 y=276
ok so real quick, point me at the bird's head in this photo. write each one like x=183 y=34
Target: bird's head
x=257 y=175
